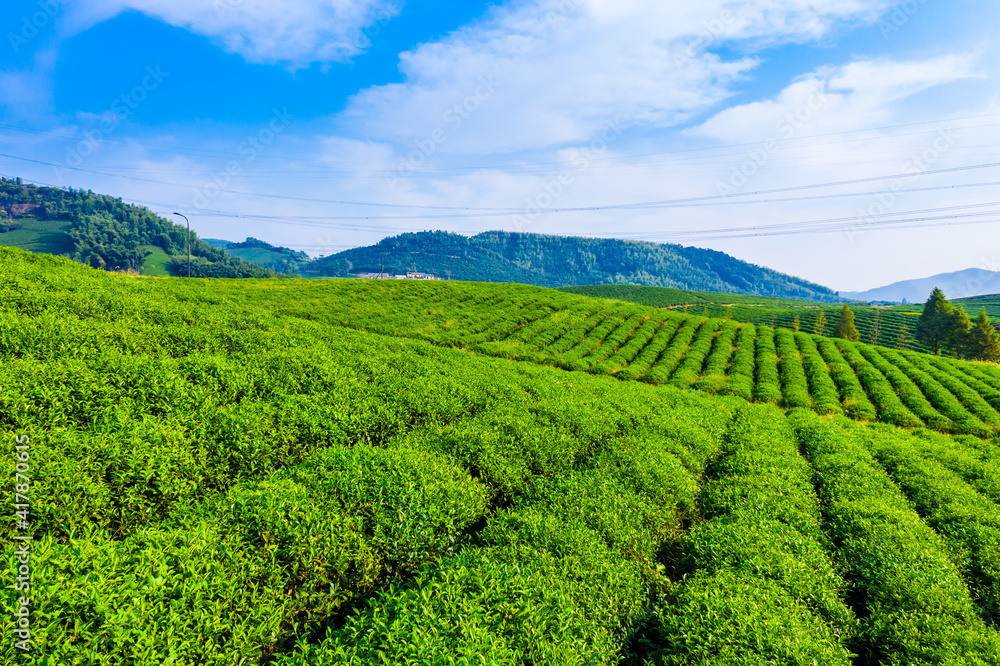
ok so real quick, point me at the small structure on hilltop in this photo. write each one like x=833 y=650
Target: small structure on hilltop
x=407 y=276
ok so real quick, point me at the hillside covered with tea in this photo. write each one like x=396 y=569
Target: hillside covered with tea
x=357 y=472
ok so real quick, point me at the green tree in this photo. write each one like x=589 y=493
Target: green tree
x=729 y=313
x=960 y=331
x=984 y=341
x=819 y=327
x=845 y=327
x=937 y=322
x=797 y=324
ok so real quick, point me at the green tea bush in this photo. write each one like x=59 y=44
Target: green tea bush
x=937 y=395
x=560 y=577
x=690 y=367
x=958 y=384
x=672 y=355
x=821 y=384
x=186 y=594
x=795 y=388
x=717 y=363
x=883 y=396
x=915 y=606
x=651 y=352
x=853 y=398
x=964 y=454
x=569 y=338
x=504 y=605
x=542 y=333
x=572 y=359
x=768 y=386
x=984 y=372
x=759 y=561
x=741 y=371
x=611 y=344
x=627 y=352
x=908 y=392
x=969 y=522
x=965 y=372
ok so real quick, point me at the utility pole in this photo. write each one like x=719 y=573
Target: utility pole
x=189 y=240
x=382 y=265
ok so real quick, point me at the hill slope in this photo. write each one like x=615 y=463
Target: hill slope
x=219 y=474
x=273 y=257
x=103 y=232
x=553 y=261
x=960 y=284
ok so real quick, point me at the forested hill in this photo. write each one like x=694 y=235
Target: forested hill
x=103 y=232
x=555 y=261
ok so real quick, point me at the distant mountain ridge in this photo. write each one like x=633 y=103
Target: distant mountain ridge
x=558 y=261
x=105 y=232
x=960 y=284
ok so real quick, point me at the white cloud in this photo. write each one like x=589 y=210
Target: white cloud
x=566 y=67
x=291 y=32
x=858 y=95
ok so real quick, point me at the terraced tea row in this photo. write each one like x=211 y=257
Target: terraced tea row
x=891 y=326
x=721 y=356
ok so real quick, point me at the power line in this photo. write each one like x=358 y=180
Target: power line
x=497 y=212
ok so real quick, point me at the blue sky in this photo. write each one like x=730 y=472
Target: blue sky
x=326 y=124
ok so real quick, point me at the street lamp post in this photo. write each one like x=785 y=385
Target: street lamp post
x=189 y=240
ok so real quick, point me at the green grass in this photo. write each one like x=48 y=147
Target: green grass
x=269 y=259
x=48 y=236
x=155 y=264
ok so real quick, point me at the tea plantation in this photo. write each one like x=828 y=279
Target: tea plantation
x=296 y=472
x=892 y=326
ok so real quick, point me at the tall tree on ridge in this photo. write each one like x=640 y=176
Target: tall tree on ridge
x=819 y=328
x=984 y=341
x=845 y=327
x=960 y=331
x=937 y=322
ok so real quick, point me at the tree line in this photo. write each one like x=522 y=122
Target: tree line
x=942 y=326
